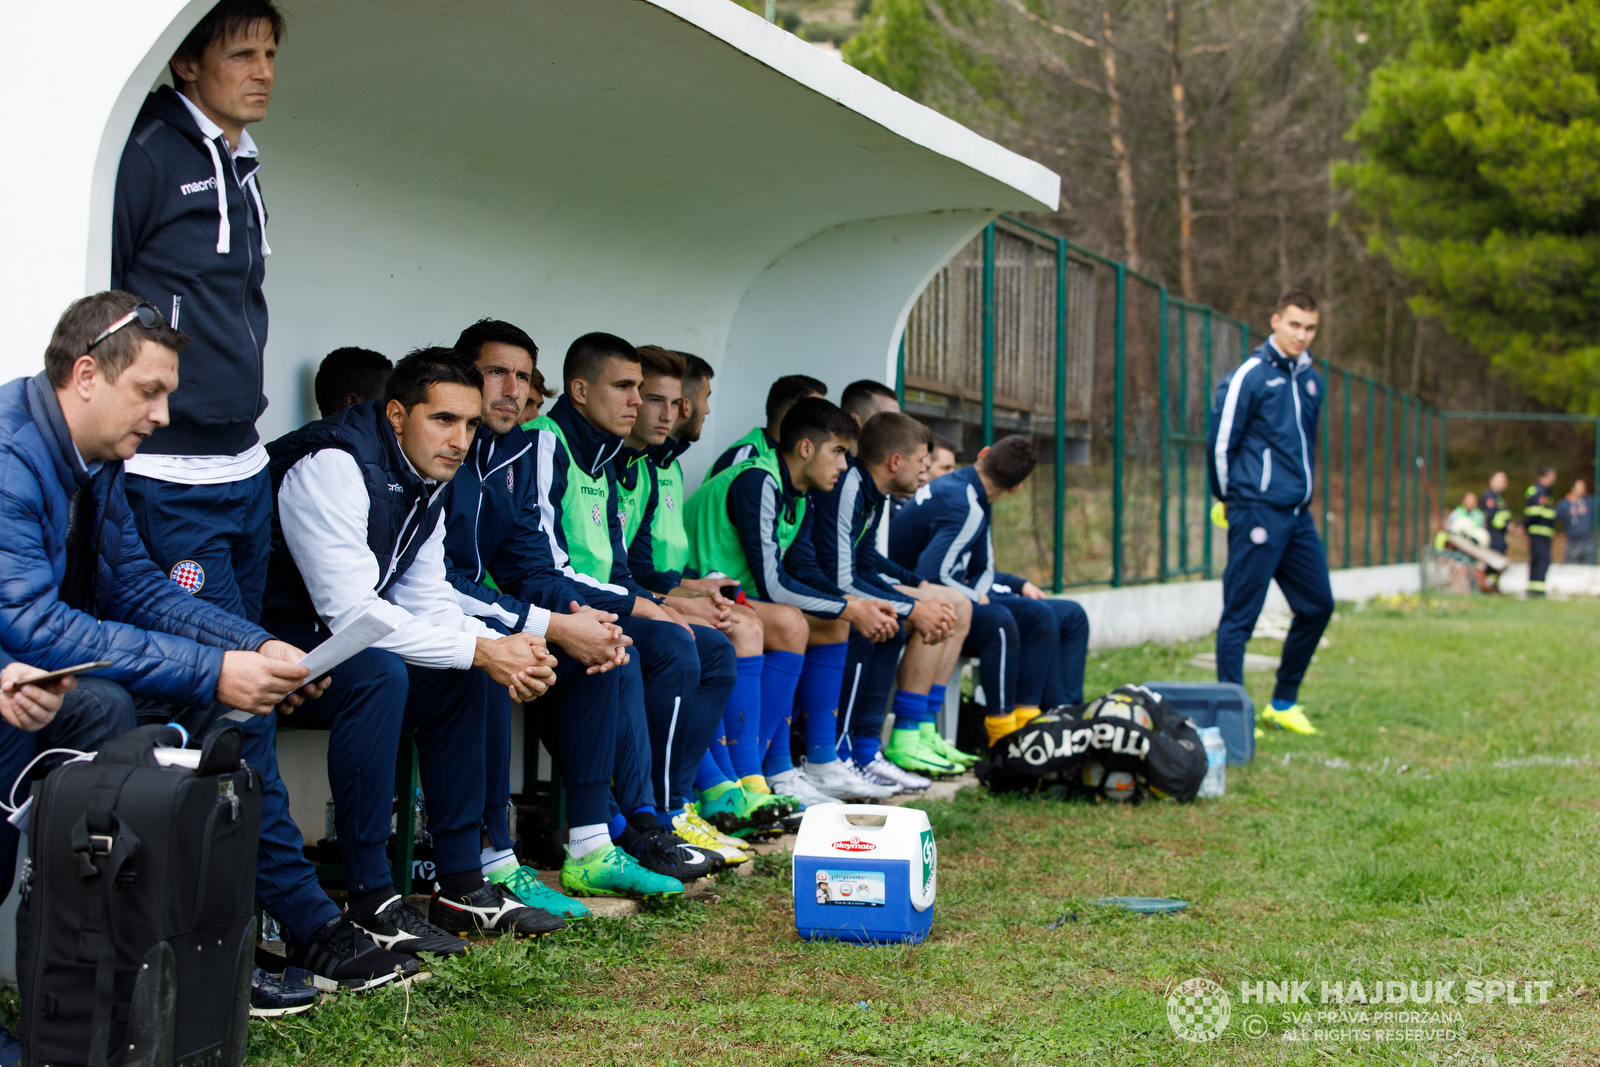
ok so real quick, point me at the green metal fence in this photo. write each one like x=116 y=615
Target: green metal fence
x=1123 y=498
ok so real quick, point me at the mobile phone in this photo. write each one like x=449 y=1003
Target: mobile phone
x=730 y=591
x=64 y=672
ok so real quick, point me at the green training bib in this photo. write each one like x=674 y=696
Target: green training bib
x=714 y=543
x=584 y=511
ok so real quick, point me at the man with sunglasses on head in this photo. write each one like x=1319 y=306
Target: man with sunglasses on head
x=77 y=586
x=189 y=235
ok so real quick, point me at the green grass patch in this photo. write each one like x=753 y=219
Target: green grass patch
x=1441 y=828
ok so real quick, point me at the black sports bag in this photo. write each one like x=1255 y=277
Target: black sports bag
x=1130 y=729
x=136 y=923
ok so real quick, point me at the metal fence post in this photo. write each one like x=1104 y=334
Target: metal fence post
x=1205 y=399
x=1323 y=502
x=900 y=369
x=988 y=334
x=1161 y=390
x=1388 y=461
x=1366 y=417
x=1344 y=517
x=1183 y=440
x=1057 y=577
x=1116 y=430
x=1444 y=460
x=1405 y=516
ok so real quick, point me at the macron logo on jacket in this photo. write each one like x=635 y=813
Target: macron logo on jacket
x=197 y=187
x=1261 y=445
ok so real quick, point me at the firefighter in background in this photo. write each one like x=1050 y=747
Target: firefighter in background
x=1496 y=512
x=1539 y=518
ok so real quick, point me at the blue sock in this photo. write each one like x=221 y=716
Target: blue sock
x=820 y=683
x=1281 y=705
x=741 y=720
x=908 y=708
x=779 y=676
x=864 y=749
x=708 y=774
x=618 y=824
x=719 y=755
x=935 y=704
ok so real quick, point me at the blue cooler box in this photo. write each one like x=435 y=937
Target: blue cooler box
x=866 y=873
x=1221 y=704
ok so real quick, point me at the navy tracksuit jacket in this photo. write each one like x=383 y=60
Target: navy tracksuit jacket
x=1031 y=652
x=1260 y=453
x=188 y=234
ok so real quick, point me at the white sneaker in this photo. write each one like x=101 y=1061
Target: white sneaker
x=871 y=779
x=882 y=768
x=833 y=779
x=792 y=783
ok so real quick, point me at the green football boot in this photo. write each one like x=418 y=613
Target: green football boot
x=907 y=751
x=933 y=741
x=730 y=807
x=610 y=872
x=1292 y=719
x=525 y=884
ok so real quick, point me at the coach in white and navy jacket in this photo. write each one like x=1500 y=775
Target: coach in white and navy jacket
x=1261 y=453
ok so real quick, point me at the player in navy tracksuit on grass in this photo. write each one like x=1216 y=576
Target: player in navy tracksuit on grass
x=752 y=522
x=1031 y=649
x=1260 y=453
x=890 y=457
x=500 y=565
x=688 y=671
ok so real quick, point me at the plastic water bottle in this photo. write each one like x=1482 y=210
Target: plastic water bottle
x=1215 y=783
x=331 y=833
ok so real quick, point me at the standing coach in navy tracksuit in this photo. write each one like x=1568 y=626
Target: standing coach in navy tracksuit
x=1260 y=452
x=189 y=236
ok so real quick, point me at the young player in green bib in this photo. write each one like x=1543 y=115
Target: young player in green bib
x=652 y=527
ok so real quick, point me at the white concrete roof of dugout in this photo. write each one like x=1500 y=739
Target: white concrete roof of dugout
x=675 y=171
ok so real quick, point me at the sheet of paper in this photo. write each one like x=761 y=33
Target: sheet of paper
x=359 y=634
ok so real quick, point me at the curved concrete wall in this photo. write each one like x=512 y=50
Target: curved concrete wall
x=676 y=171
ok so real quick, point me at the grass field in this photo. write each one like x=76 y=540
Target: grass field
x=1442 y=828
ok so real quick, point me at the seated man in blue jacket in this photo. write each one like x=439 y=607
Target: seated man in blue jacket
x=890 y=458
x=358 y=529
x=1261 y=456
x=78 y=587
x=1031 y=649
x=502 y=569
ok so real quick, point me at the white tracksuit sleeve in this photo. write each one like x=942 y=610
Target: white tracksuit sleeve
x=322 y=506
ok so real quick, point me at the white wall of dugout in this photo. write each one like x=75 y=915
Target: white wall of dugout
x=676 y=171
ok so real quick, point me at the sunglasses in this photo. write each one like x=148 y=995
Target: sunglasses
x=147 y=315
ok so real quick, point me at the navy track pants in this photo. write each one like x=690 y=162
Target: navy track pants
x=994 y=640
x=868 y=683
x=1266 y=543
x=374 y=696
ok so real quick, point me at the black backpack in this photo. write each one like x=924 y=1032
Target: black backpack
x=136 y=921
x=1130 y=729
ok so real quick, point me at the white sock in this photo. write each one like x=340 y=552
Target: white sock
x=582 y=840
x=493 y=859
